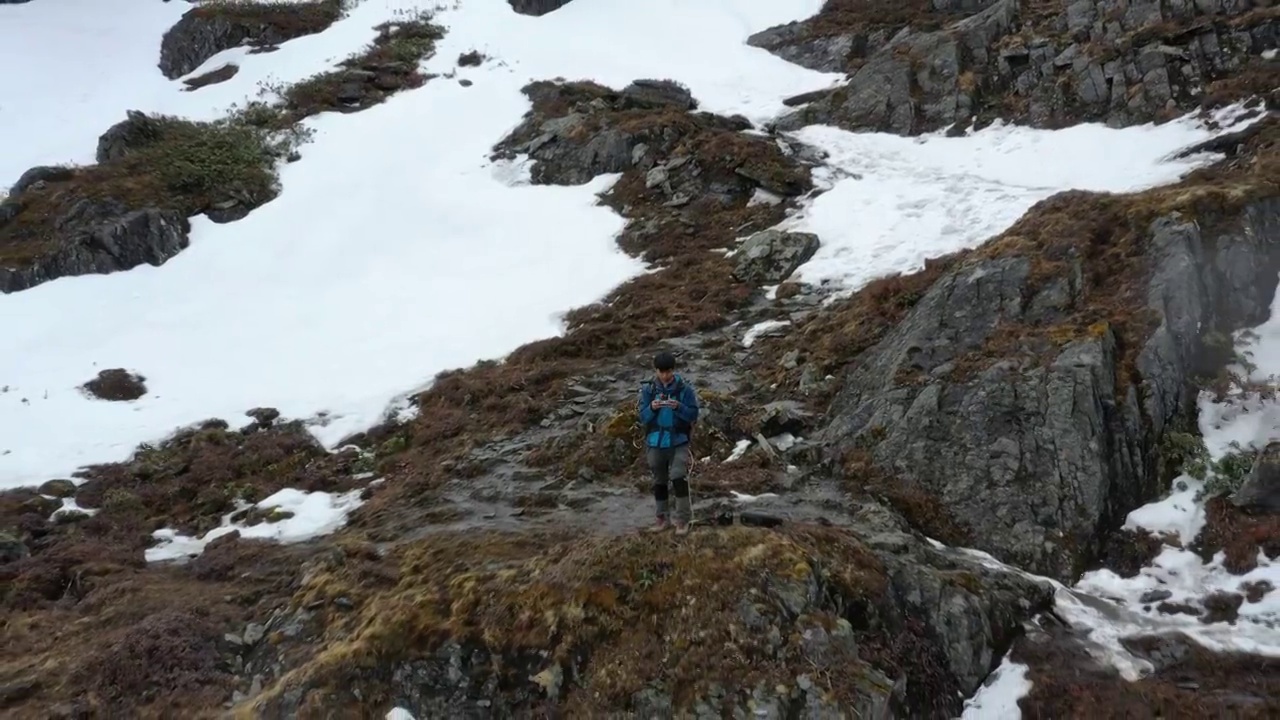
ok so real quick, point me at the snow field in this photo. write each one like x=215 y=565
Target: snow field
x=893 y=202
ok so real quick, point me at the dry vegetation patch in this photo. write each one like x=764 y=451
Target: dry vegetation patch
x=617 y=613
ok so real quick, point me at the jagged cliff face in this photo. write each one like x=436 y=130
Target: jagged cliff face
x=917 y=67
x=1009 y=398
x=1035 y=445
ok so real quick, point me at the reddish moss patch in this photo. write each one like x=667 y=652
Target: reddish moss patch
x=1190 y=683
x=117 y=384
x=1125 y=552
x=1238 y=534
x=154 y=648
x=833 y=338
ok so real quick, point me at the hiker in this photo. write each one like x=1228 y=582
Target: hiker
x=668 y=410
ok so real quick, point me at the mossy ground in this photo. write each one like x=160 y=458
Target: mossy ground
x=622 y=612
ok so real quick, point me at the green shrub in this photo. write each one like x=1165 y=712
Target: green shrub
x=1228 y=472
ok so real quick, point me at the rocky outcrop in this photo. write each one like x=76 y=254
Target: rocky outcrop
x=572 y=147
x=537 y=7
x=210 y=28
x=1107 y=60
x=101 y=236
x=1260 y=490
x=117 y=385
x=913 y=628
x=771 y=256
x=1036 y=444
x=38 y=177
x=135 y=132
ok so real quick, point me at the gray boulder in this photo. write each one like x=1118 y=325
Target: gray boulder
x=660 y=93
x=58 y=488
x=771 y=256
x=40 y=176
x=133 y=133
x=1036 y=448
x=795 y=43
x=537 y=8
x=1260 y=491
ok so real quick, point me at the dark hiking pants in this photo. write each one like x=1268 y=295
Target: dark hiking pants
x=670 y=468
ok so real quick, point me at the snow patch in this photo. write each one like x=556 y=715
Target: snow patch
x=762 y=329
x=745 y=498
x=893 y=202
x=739 y=449
x=998 y=697
x=314 y=514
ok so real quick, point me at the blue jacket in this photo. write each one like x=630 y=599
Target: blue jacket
x=667 y=427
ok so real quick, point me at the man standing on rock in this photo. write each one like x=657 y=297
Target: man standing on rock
x=668 y=409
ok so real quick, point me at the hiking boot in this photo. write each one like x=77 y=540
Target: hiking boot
x=682 y=528
x=660 y=525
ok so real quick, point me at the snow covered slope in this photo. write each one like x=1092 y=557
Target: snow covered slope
x=397 y=249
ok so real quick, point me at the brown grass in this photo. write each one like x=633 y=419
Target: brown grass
x=1238 y=534
x=388 y=65
x=143 y=644
x=288 y=20
x=1125 y=552
x=862 y=17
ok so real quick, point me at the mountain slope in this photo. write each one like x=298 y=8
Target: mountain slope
x=1008 y=339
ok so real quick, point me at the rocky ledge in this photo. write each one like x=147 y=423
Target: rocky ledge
x=919 y=66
